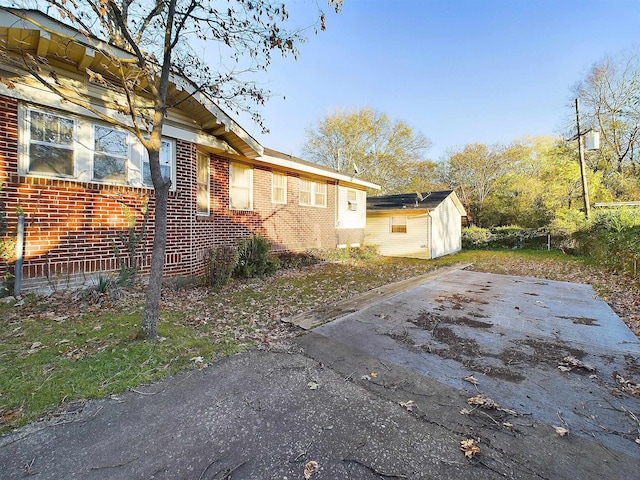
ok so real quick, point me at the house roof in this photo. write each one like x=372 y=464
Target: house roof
x=69 y=49
x=424 y=201
x=75 y=52
x=273 y=157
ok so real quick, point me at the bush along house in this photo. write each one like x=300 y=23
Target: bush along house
x=83 y=185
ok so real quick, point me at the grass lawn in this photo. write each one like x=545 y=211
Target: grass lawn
x=58 y=351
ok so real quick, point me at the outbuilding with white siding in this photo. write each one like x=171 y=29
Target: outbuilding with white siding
x=415 y=225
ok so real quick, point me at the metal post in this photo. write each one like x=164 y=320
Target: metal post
x=17 y=286
x=583 y=168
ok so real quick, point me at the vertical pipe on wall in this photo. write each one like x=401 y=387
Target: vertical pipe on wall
x=19 y=252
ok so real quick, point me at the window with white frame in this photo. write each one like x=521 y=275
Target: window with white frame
x=166 y=163
x=54 y=144
x=278 y=187
x=352 y=200
x=320 y=194
x=110 y=154
x=398 y=224
x=51 y=144
x=240 y=186
x=203 y=197
x=313 y=194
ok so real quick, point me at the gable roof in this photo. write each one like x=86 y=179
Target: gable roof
x=74 y=52
x=411 y=201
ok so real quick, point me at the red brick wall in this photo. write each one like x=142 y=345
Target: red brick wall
x=289 y=226
x=71 y=226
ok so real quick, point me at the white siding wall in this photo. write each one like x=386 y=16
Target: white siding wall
x=446 y=233
x=413 y=244
x=351 y=218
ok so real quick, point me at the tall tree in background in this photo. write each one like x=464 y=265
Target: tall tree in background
x=542 y=186
x=476 y=170
x=156 y=45
x=610 y=98
x=382 y=150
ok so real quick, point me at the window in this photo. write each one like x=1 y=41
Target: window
x=203 y=197
x=51 y=143
x=320 y=194
x=278 y=188
x=68 y=146
x=166 y=161
x=305 y=192
x=240 y=186
x=312 y=193
x=110 y=152
x=352 y=200
x=398 y=224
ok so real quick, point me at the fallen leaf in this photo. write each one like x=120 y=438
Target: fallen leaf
x=374 y=374
x=310 y=468
x=469 y=448
x=572 y=363
x=483 y=401
x=561 y=431
x=471 y=379
x=313 y=385
x=409 y=405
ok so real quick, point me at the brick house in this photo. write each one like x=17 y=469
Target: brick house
x=80 y=181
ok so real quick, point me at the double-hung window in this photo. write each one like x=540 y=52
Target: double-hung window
x=52 y=140
x=398 y=224
x=313 y=194
x=203 y=197
x=352 y=200
x=278 y=188
x=240 y=187
x=110 y=154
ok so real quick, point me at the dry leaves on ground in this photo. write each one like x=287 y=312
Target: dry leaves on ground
x=470 y=448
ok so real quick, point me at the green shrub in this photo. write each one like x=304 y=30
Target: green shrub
x=616 y=220
x=612 y=240
x=288 y=259
x=475 y=237
x=255 y=258
x=221 y=261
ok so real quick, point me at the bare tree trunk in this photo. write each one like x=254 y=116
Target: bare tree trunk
x=149 y=326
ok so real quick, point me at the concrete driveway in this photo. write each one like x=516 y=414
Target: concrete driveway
x=379 y=394
x=539 y=350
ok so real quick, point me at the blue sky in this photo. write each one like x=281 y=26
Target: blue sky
x=457 y=71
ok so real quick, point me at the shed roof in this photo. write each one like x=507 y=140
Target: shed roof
x=412 y=201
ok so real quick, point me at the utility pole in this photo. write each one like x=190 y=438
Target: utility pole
x=583 y=168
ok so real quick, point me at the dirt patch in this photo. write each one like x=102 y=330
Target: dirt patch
x=449 y=345
x=532 y=352
x=446 y=343
x=457 y=300
x=582 y=320
x=428 y=321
